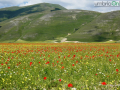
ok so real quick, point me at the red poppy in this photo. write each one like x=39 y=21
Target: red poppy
x=62 y=67
x=72 y=64
x=117 y=55
x=48 y=62
x=48 y=55
x=117 y=70
x=57 y=61
x=8 y=67
x=45 y=78
x=70 y=85
x=60 y=80
x=96 y=74
x=68 y=55
x=39 y=62
x=1 y=63
x=6 y=62
x=104 y=83
x=73 y=55
x=109 y=59
x=30 y=63
x=76 y=61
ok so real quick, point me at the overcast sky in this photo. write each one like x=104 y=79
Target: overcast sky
x=69 y=4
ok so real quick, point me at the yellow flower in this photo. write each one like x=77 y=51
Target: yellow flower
x=26 y=87
x=87 y=88
x=110 y=82
x=3 y=79
x=60 y=88
x=22 y=82
x=63 y=89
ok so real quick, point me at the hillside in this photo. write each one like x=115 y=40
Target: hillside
x=53 y=22
x=11 y=12
x=103 y=28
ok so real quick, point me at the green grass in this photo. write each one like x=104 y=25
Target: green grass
x=8 y=41
x=23 y=41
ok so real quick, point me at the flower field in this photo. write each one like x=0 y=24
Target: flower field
x=64 y=66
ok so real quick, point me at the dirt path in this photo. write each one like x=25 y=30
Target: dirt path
x=63 y=40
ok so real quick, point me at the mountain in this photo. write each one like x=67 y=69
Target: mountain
x=103 y=28
x=45 y=21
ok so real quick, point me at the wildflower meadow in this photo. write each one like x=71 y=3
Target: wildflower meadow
x=60 y=66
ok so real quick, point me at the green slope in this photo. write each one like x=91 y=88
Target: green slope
x=103 y=28
x=46 y=26
x=11 y=12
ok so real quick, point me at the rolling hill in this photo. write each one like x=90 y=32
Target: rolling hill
x=45 y=21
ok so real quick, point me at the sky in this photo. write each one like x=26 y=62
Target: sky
x=69 y=4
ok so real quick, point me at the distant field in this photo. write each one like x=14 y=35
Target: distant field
x=61 y=66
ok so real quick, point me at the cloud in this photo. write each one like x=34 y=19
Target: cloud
x=69 y=4
x=7 y=3
x=31 y=2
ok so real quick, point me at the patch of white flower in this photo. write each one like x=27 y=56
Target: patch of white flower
x=44 y=89
x=74 y=89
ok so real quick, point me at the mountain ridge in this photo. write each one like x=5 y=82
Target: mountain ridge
x=52 y=22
